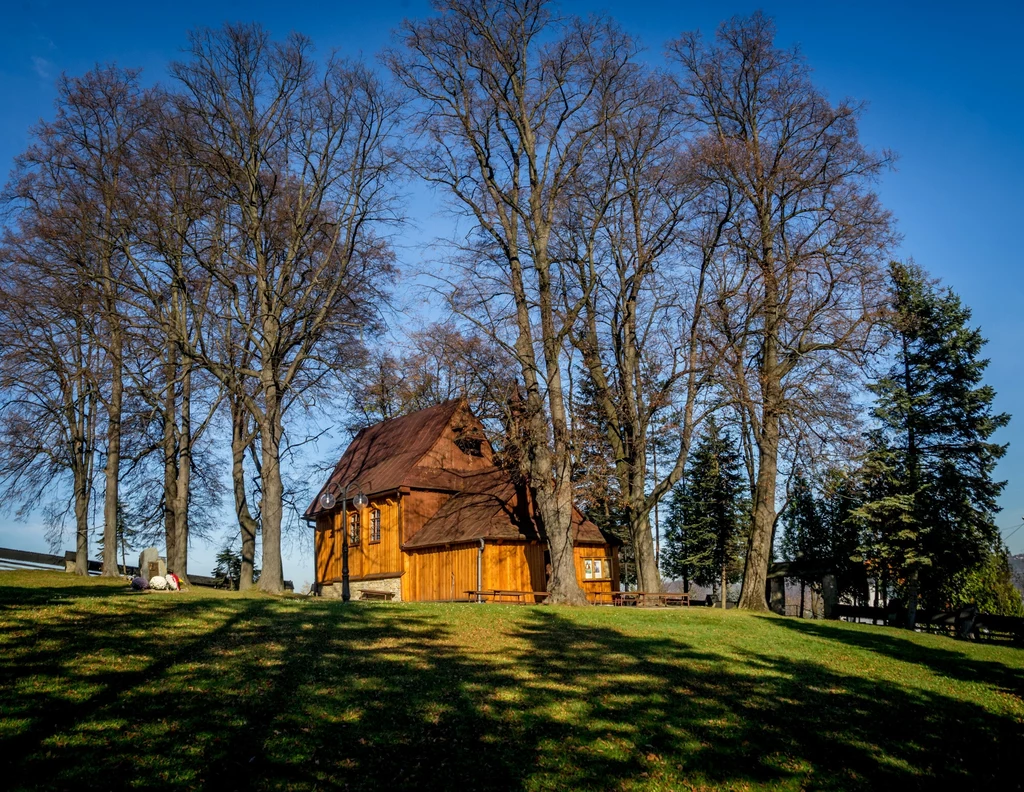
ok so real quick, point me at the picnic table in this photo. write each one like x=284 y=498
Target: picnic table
x=506 y=595
x=603 y=597
x=642 y=598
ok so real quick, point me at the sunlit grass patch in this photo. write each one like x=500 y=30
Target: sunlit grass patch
x=104 y=689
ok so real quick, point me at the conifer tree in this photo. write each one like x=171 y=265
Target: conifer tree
x=709 y=516
x=931 y=496
x=818 y=536
x=803 y=540
x=803 y=530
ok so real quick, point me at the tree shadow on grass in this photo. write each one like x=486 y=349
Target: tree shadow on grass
x=683 y=716
x=265 y=694
x=239 y=694
x=19 y=596
x=952 y=663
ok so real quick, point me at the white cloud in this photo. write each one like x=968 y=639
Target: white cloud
x=42 y=67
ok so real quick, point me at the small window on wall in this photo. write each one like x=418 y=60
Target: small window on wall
x=597 y=569
x=374 y=526
x=353 y=528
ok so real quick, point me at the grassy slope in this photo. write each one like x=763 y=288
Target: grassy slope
x=102 y=688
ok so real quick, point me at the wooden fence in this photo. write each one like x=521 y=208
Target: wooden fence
x=964 y=622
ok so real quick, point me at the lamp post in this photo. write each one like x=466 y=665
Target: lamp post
x=359 y=501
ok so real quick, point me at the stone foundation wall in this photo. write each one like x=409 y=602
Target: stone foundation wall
x=356 y=588
x=394 y=585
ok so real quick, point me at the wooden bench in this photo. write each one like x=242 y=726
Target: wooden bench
x=376 y=594
x=649 y=598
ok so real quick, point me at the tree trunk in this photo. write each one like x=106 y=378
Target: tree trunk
x=246 y=523
x=647 y=577
x=272 y=574
x=725 y=588
x=759 y=548
x=554 y=507
x=546 y=463
x=803 y=587
x=81 y=521
x=178 y=563
x=913 y=580
x=170 y=449
x=113 y=467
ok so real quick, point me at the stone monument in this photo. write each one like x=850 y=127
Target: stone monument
x=151 y=565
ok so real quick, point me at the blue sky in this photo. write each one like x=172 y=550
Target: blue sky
x=944 y=85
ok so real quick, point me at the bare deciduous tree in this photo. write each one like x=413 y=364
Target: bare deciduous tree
x=643 y=231
x=799 y=290
x=513 y=101
x=298 y=154
x=50 y=371
x=75 y=171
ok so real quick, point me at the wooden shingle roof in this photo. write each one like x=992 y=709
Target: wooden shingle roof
x=387 y=456
x=491 y=506
x=419 y=451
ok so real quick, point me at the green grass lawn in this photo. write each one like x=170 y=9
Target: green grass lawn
x=101 y=688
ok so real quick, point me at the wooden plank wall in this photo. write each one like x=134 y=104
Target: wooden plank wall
x=383 y=557
x=597 y=551
x=365 y=558
x=439 y=573
x=514 y=566
x=442 y=573
x=328 y=560
x=419 y=506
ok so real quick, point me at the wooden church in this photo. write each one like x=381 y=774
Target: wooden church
x=438 y=518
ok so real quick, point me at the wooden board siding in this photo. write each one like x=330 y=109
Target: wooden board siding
x=446 y=454
x=382 y=557
x=439 y=573
x=442 y=573
x=327 y=550
x=514 y=566
x=597 y=551
x=418 y=507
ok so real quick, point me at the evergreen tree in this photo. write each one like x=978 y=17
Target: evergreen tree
x=708 y=515
x=840 y=496
x=931 y=498
x=229 y=566
x=803 y=542
x=818 y=536
x=595 y=489
x=803 y=537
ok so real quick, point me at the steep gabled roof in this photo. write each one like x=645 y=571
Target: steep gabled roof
x=421 y=451
x=385 y=456
x=491 y=506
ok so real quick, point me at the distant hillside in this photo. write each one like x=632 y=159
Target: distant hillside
x=1017 y=568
